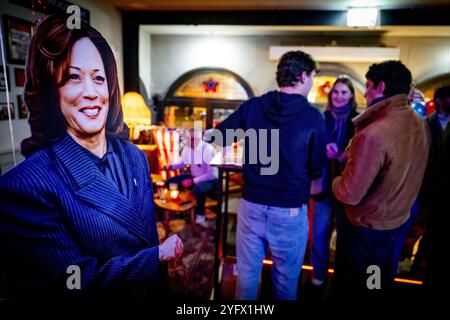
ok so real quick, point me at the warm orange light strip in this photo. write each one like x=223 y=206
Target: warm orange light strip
x=408 y=281
x=306 y=267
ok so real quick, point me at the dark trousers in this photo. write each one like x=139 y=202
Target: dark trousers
x=357 y=248
x=200 y=190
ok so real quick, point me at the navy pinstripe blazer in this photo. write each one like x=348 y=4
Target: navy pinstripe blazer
x=57 y=209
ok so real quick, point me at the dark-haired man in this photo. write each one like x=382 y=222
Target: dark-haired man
x=437 y=123
x=273 y=209
x=386 y=163
x=438 y=120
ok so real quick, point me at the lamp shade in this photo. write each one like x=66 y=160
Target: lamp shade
x=135 y=110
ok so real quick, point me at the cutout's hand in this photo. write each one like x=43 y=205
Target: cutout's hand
x=170 y=249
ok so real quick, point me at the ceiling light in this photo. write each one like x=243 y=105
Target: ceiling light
x=363 y=17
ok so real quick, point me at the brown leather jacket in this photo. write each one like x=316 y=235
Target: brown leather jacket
x=386 y=162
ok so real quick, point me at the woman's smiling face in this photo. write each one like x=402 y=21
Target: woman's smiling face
x=84 y=98
x=340 y=95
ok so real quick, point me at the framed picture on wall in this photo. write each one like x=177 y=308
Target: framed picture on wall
x=19 y=75
x=3 y=79
x=49 y=7
x=4 y=111
x=17 y=35
x=23 y=110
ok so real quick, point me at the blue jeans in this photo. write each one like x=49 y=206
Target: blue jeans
x=320 y=248
x=285 y=232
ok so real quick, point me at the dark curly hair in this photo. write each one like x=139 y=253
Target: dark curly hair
x=48 y=52
x=291 y=66
x=395 y=75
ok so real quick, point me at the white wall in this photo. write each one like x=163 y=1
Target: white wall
x=108 y=21
x=145 y=71
x=426 y=57
x=104 y=17
x=248 y=56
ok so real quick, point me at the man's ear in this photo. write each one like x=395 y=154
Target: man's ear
x=302 y=77
x=380 y=88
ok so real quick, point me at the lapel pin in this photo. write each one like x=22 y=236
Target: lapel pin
x=135 y=182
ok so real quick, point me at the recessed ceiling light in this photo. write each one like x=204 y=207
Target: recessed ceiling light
x=363 y=17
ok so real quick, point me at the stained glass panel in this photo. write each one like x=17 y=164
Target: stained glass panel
x=213 y=86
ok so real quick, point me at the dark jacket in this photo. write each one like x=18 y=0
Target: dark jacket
x=386 y=163
x=436 y=133
x=57 y=209
x=330 y=123
x=301 y=147
x=333 y=167
x=438 y=218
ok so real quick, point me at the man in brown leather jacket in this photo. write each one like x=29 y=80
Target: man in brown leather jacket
x=386 y=162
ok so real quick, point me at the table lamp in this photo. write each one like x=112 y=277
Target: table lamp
x=136 y=114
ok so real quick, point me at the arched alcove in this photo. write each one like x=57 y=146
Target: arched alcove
x=429 y=86
x=203 y=94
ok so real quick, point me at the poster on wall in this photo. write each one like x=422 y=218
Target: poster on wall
x=19 y=75
x=4 y=111
x=23 y=110
x=49 y=7
x=3 y=79
x=17 y=35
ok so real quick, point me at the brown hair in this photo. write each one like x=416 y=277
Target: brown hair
x=345 y=80
x=49 y=51
x=291 y=66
